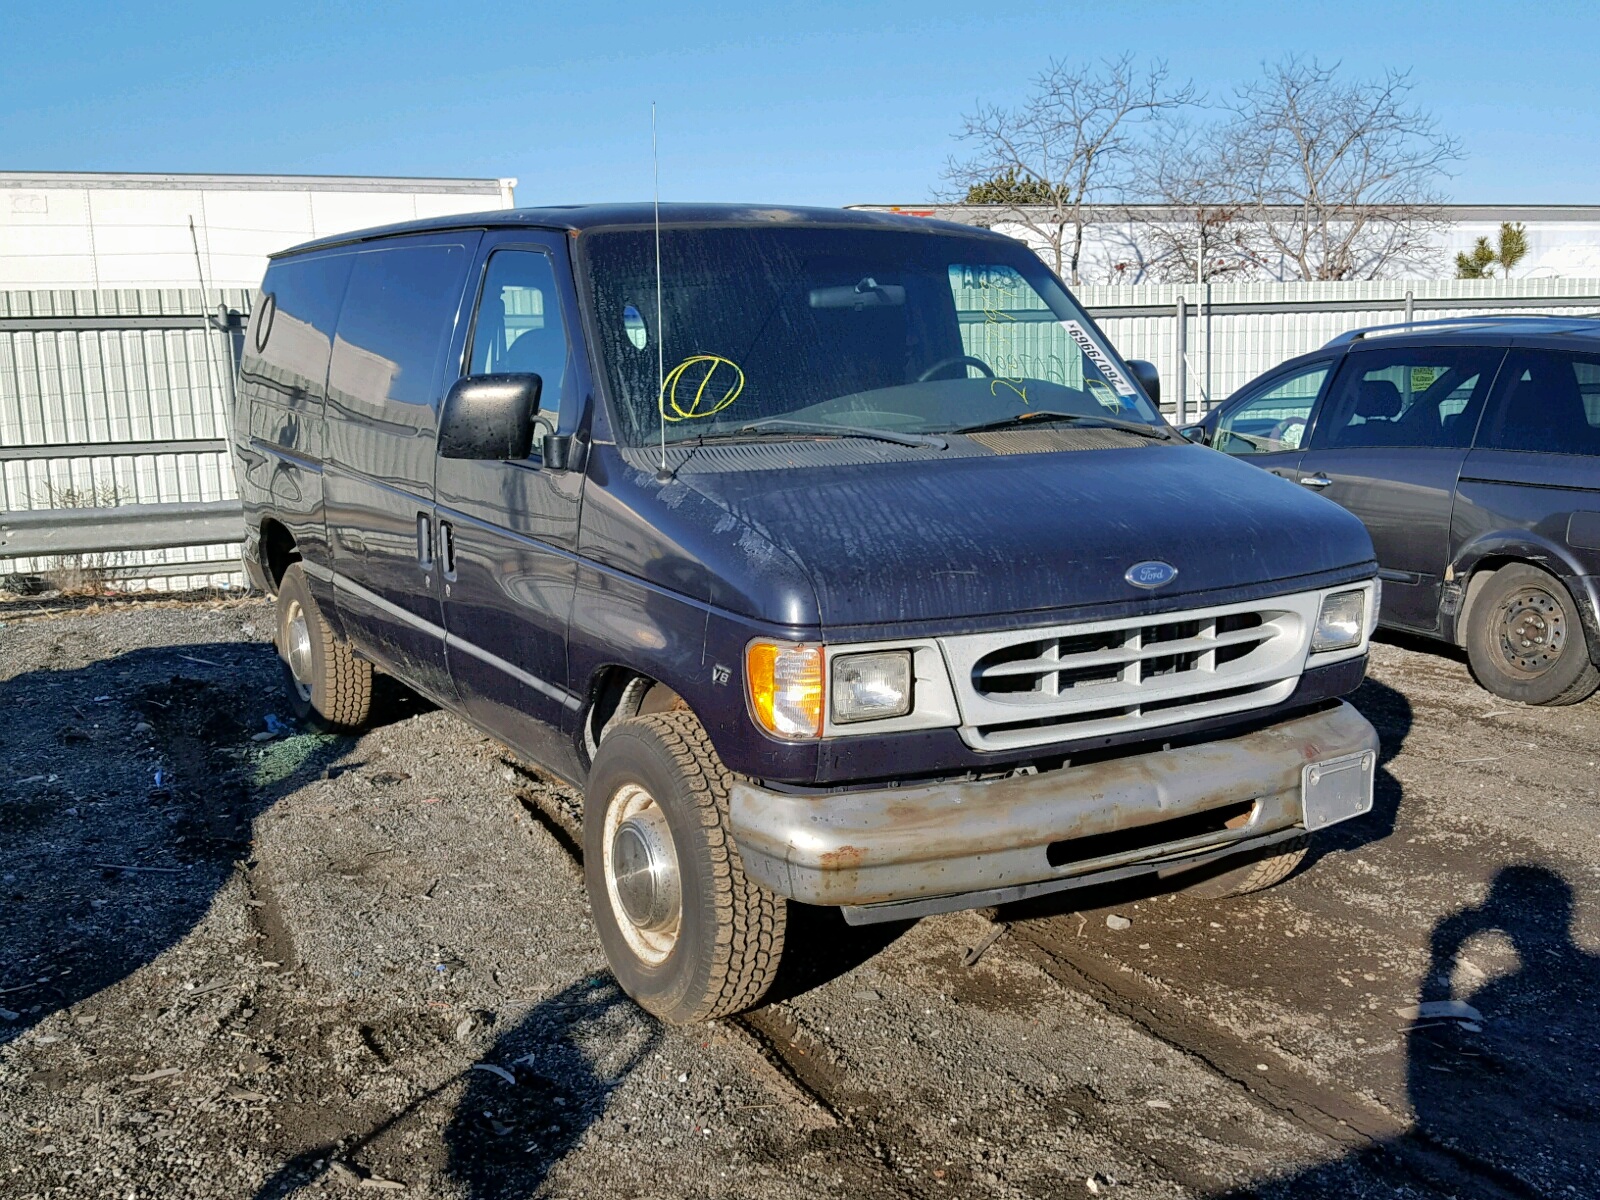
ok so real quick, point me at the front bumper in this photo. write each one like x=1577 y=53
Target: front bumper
x=941 y=847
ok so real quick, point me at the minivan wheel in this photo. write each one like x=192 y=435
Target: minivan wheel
x=1525 y=639
x=329 y=687
x=688 y=935
x=1260 y=872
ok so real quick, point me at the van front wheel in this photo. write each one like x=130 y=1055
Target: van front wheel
x=688 y=935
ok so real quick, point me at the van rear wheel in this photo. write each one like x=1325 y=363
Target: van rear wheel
x=688 y=935
x=329 y=687
x=1525 y=639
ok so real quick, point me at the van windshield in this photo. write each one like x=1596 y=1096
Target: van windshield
x=786 y=332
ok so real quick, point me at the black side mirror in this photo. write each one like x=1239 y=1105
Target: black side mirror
x=1195 y=433
x=489 y=417
x=1149 y=378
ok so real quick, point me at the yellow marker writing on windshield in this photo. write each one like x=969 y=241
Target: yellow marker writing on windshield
x=720 y=382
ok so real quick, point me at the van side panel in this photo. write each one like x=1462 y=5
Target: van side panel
x=399 y=314
x=278 y=426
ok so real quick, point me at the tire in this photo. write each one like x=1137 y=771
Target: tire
x=1525 y=639
x=1272 y=868
x=659 y=795
x=329 y=687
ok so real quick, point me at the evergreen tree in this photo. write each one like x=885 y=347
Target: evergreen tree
x=1483 y=259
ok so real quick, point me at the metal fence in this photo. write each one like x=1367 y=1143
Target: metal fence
x=113 y=404
x=114 y=465
x=1208 y=341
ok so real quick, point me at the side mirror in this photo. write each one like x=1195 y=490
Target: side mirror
x=489 y=417
x=1195 y=433
x=1149 y=378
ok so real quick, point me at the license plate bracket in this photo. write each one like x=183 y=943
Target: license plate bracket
x=1337 y=789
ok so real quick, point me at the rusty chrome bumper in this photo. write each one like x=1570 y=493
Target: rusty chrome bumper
x=905 y=852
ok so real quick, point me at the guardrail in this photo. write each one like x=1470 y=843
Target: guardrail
x=152 y=370
x=52 y=532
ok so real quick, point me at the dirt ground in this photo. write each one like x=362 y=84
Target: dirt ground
x=238 y=959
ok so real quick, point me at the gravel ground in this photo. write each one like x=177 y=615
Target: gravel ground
x=242 y=960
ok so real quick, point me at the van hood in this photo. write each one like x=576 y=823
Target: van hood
x=971 y=536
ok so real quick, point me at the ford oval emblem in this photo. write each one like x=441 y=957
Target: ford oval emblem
x=1151 y=574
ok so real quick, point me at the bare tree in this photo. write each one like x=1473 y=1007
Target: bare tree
x=1341 y=178
x=1197 y=224
x=1071 y=144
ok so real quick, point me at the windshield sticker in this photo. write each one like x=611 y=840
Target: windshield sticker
x=715 y=382
x=1099 y=358
x=1103 y=393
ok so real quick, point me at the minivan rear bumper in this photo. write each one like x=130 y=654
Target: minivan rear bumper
x=947 y=846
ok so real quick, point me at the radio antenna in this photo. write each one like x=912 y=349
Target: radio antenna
x=662 y=474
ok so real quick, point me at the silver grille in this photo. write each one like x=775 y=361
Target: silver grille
x=1031 y=687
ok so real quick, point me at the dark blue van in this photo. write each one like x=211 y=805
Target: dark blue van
x=836 y=556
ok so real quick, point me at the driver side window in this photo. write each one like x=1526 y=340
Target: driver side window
x=1276 y=419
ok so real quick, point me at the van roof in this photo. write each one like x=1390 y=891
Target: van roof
x=581 y=218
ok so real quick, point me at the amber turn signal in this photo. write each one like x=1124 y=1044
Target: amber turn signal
x=784 y=683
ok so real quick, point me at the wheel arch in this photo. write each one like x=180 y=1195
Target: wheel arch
x=615 y=693
x=278 y=549
x=1582 y=589
x=1476 y=563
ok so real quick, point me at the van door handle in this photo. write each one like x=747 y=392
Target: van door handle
x=425 y=541
x=447 y=548
x=1316 y=481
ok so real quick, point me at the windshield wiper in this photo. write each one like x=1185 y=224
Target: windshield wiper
x=853 y=431
x=1045 y=417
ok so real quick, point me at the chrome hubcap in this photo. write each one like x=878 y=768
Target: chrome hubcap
x=641 y=870
x=297 y=648
x=1533 y=631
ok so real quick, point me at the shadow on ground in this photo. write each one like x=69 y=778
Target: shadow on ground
x=130 y=787
x=1505 y=1097
x=551 y=1079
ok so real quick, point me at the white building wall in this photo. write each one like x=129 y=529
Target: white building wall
x=132 y=231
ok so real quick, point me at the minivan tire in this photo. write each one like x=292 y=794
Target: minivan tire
x=1526 y=641
x=329 y=687
x=1253 y=876
x=658 y=774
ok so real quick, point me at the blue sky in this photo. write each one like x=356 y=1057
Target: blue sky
x=816 y=102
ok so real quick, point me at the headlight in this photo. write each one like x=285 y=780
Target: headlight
x=785 y=688
x=1342 y=621
x=869 y=687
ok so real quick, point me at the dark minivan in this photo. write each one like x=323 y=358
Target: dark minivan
x=836 y=557
x=1470 y=447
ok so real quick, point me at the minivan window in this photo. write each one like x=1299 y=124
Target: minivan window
x=881 y=329
x=396 y=321
x=518 y=327
x=1415 y=397
x=1276 y=419
x=1547 y=402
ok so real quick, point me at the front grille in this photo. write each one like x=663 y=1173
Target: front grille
x=1032 y=687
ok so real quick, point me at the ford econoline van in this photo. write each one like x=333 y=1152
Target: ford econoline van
x=838 y=558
